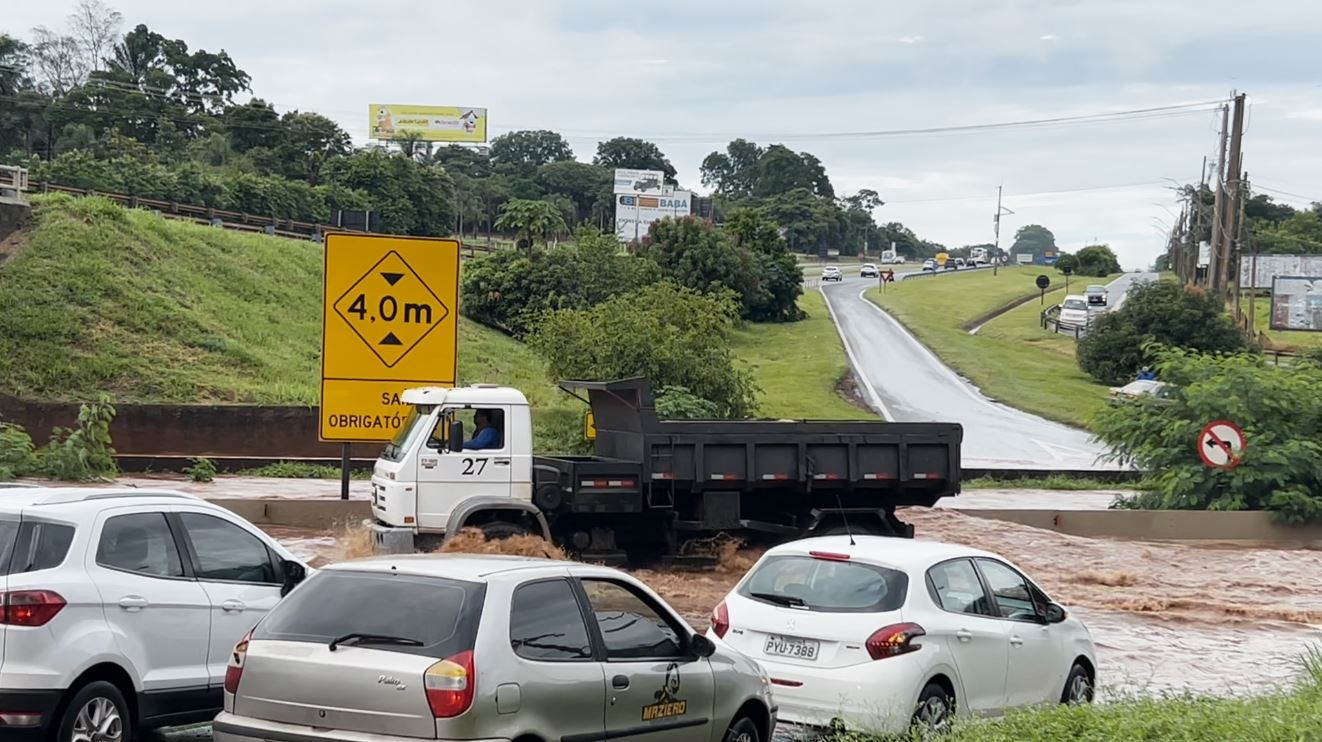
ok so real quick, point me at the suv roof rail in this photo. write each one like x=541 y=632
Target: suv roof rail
x=74 y=494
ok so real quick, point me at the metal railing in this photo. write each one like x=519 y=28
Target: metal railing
x=13 y=182
x=1050 y=321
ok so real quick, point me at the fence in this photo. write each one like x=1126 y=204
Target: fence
x=1050 y=320
x=13 y=182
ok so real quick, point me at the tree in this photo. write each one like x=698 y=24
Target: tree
x=861 y=229
x=411 y=198
x=673 y=336
x=534 y=221
x=1033 y=239
x=781 y=170
x=735 y=171
x=1277 y=406
x=691 y=253
x=779 y=277
x=581 y=183
x=309 y=142
x=812 y=225
x=253 y=124
x=1097 y=260
x=1118 y=344
x=94 y=25
x=58 y=61
x=525 y=151
x=1068 y=263
x=628 y=152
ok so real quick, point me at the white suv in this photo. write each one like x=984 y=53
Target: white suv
x=119 y=608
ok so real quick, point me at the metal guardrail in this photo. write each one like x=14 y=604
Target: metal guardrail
x=13 y=182
x=1050 y=321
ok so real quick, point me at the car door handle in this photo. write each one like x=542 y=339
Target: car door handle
x=964 y=635
x=620 y=682
x=233 y=606
x=502 y=462
x=1016 y=641
x=133 y=602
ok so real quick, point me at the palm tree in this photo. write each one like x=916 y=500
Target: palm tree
x=532 y=220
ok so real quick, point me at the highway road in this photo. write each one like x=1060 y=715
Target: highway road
x=906 y=382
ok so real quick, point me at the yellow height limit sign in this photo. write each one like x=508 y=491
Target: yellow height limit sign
x=389 y=322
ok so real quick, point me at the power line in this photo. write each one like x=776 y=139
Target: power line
x=1029 y=195
x=1259 y=186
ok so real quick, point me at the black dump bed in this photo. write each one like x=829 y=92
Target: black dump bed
x=915 y=463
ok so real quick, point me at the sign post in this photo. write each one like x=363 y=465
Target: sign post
x=389 y=322
x=1067 y=271
x=885 y=277
x=1221 y=445
x=1042 y=283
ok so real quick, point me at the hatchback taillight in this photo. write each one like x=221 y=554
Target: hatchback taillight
x=894 y=640
x=720 y=619
x=30 y=607
x=234 y=670
x=450 y=684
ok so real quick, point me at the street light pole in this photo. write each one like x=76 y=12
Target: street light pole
x=996 y=256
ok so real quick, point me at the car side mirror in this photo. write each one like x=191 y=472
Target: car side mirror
x=1055 y=613
x=702 y=646
x=456 y=441
x=294 y=574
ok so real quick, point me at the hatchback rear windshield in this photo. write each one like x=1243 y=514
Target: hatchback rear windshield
x=441 y=614
x=32 y=546
x=1075 y=304
x=825 y=585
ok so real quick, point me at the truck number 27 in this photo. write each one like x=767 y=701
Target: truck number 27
x=473 y=466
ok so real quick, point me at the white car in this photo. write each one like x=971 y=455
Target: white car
x=121 y=608
x=880 y=634
x=1074 y=311
x=869 y=270
x=929 y=265
x=832 y=273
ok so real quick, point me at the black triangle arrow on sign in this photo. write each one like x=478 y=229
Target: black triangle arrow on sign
x=390 y=339
x=392 y=278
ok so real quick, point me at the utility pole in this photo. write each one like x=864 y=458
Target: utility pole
x=996 y=253
x=1218 y=205
x=1196 y=206
x=1231 y=216
x=1240 y=232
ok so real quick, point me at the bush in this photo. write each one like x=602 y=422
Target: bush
x=672 y=335
x=83 y=453
x=779 y=276
x=1157 y=312
x=202 y=470
x=16 y=452
x=1097 y=260
x=691 y=253
x=678 y=403
x=1279 y=409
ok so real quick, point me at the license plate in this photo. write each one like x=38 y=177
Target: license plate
x=788 y=646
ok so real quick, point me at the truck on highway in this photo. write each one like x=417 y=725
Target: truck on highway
x=651 y=485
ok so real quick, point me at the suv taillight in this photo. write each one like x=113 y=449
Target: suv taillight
x=450 y=684
x=234 y=670
x=30 y=607
x=720 y=619
x=895 y=640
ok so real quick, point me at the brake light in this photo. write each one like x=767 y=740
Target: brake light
x=895 y=640
x=829 y=555
x=450 y=684
x=30 y=608
x=720 y=619
x=234 y=670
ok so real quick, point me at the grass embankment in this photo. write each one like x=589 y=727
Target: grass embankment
x=1011 y=358
x=799 y=366
x=1282 y=716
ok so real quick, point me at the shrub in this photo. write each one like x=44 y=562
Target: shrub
x=1157 y=312
x=16 y=452
x=1097 y=260
x=672 y=335
x=82 y=453
x=1279 y=409
x=678 y=403
x=779 y=276
x=691 y=253
x=202 y=470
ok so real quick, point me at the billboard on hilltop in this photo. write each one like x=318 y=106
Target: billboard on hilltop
x=389 y=121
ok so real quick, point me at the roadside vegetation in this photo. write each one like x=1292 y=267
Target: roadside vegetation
x=79 y=454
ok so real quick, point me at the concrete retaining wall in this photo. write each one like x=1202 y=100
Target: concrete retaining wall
x=1160 y=525
x=314 y=514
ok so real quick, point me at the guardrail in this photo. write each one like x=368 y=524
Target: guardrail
x=1050 y=320
x=13 y=182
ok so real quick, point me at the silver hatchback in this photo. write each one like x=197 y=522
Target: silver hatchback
x=461 y=647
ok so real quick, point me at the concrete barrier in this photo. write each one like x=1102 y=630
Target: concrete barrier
x=1162 y=525
x=320 y=515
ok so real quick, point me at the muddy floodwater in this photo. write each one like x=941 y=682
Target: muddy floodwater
x=1210 y=619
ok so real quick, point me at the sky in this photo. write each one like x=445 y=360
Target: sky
x=829 y=78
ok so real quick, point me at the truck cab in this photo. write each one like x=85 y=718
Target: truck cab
x=431 y=480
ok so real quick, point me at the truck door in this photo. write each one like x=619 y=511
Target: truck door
x=447 y=478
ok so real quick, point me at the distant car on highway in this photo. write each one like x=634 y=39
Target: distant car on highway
x=1097 y=294
x=929 y=265
x=469 y=647
x=869 y=270
x=884 y=634
x=1074 y=311
x=832 y=273
x=959 y=263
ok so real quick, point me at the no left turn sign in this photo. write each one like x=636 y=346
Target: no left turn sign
x=1221 y=445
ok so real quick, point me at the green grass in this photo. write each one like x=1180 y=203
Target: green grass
x=1292 y=340
x=798 y=365
x=1011 y=359
x=302 y=470
x=1049 y=482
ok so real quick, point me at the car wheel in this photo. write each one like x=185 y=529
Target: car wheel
x=936 y=709
x=96 y=713
x=1078 y=687
x=743 y=730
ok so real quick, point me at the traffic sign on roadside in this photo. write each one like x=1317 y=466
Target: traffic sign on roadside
x=1042 y=283
x=389 y=322
x=1221 y=445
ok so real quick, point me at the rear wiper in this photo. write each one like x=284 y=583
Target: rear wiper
x=360 y=638
x=785 y=600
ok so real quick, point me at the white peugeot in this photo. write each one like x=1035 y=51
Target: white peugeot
x=879 y=634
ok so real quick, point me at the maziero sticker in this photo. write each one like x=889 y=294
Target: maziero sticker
x=667 y=701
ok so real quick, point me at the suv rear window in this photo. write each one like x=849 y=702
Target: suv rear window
x=826 y=586
x=440 y=613
x=32 y=546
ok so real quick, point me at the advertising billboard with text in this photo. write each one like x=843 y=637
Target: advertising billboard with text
x=389 y=122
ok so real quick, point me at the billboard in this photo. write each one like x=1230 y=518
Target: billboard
x=1297 y=303
x=639 y=181
x=389 y=121
x=634 y=213
x=1259 y=272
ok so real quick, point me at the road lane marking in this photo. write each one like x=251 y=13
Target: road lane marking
x=859 y=371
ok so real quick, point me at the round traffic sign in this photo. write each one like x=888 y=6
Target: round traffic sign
x=1221 y=445
x=1043 y=282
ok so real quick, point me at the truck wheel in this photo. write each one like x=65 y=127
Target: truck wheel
x=548 y=498
x=500 y=530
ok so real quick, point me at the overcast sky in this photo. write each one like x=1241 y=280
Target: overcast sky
x=690 y=75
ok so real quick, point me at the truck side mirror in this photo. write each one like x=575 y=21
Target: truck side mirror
x=456 y=439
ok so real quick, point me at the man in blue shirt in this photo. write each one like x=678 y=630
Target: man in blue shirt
x=485 y=435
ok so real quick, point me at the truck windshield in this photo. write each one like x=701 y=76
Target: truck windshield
x=416 y=426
